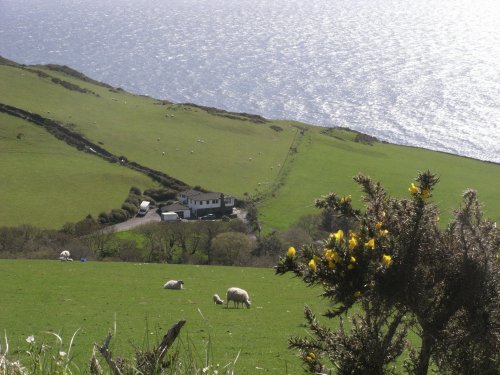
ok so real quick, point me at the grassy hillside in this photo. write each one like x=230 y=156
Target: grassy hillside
x=287 y=163
x=41 y=296
x=325 y=164
x=46 y=183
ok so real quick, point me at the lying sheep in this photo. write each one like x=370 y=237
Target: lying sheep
x=173 y=284
x=217 y=300
x=65 y=255
x=238 y=296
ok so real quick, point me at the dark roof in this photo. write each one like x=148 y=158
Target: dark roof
x=205 y=196
x=190 y=192
x=174 y=207
x=199 y=196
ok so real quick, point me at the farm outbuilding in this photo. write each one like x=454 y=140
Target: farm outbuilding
x=181 y=210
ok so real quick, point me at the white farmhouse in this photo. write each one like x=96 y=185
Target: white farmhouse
x=202 y=204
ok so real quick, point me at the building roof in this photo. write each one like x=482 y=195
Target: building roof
x=174 y=207
x=190 y=192
x=200 y=196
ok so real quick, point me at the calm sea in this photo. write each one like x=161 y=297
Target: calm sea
x=421 y=72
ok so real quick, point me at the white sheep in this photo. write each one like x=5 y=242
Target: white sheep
x=237 y=295
x=217 y=299
x=173 y=284
x=65 y=255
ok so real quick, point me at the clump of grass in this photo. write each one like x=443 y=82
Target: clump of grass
x=42 y=357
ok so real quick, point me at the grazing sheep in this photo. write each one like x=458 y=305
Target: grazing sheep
x=217 y=300
x=173 y=284
x=65 y=256
x=238 y=296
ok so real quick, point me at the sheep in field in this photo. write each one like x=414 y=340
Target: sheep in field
x=65 y=255
x=237 y=295
x=174 y=284
x=217 y=300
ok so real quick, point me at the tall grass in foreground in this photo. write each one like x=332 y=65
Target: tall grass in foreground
x=42 y=356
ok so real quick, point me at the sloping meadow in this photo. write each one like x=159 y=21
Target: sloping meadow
x=91 y=297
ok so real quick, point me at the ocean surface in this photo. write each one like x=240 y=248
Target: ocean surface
x=423 y=73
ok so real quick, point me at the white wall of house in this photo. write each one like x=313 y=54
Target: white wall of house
x=195 y=204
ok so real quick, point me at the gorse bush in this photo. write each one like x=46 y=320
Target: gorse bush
x=404 y=272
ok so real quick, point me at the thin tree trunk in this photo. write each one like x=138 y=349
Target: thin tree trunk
x=425 y=354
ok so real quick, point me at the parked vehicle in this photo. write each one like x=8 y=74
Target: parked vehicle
x=169 y=216
x=144 y=208
x=208 y=217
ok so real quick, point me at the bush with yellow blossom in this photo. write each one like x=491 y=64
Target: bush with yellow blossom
x=403 y=271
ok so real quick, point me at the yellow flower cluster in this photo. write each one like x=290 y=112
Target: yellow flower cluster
x=424 y=194
x=381 y=232
x=352 y=262
x=312 y=265
x=310 y=357
x=347 y=198
x=413 y=189
x=386 y=260
x=291 y=252
x=370 y=244
x=357 y=294
x=353 y=240
x=339 y=235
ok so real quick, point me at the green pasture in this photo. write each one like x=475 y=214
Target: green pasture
x=62 y=297
x=201 y=149
x=326 y=164
x=46 y=183
x=288 y=168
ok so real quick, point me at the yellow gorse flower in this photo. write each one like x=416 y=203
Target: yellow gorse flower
x=386 y=260
x=357 y=293
x=413 y=189
x=426 y=193
x=353 y=242
x=347 y=198
x=383 y=232
x=370 y=244
x=328 y=254
x=291 y=252
x=378 y=226
x=352 y=260
x=339 y=235
x=312 y=265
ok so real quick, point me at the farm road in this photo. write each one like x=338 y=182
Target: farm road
x=152 y=216
x=136 y=221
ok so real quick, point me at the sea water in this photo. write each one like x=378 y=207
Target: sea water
x=422 y=72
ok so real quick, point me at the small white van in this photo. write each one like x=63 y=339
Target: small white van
x=143 y=208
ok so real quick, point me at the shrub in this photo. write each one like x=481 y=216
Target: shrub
x=134 y=200
x=161 y=194
x=103 y=218
x=231 y=248
x=404 y=272
x=135 y=191
x=118 y=215
x=130 y=208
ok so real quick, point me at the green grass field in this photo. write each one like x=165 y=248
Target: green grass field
x=62 y=297
x=46 y=183
x=218 y=153
x=326 y=164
